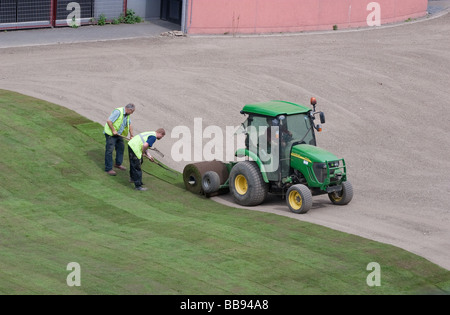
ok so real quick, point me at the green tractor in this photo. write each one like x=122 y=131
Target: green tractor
x=282 y=158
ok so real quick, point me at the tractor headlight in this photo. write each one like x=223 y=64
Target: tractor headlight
x=333 y=164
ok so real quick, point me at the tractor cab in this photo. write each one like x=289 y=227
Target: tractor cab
x=273 y=129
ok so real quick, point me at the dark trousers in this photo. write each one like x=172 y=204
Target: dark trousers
x=135 y=168
x=111 y=144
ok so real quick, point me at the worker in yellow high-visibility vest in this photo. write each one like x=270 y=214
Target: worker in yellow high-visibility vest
x=117 y=125
x=137 y=148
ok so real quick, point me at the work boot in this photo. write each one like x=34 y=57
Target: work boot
x=111 y=172
x=140 y=188
x=120 y=167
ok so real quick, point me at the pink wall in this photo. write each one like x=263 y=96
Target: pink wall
x=269 y=16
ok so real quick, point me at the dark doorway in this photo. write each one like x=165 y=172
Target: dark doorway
x=171 y=10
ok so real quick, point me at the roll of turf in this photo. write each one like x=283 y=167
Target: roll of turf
x=193 y=173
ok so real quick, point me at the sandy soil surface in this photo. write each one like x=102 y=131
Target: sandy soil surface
x=385 y=93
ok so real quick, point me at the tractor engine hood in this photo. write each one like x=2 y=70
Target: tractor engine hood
x=311 y=154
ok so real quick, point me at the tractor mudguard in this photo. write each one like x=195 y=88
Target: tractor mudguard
x=254 y=157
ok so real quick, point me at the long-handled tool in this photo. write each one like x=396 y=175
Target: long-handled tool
x=157 y=151
x=161 y=165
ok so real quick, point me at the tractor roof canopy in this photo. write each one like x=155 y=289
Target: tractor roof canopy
x=275 y=108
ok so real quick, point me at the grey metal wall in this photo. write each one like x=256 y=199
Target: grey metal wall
x=147 y=9
x=110 y=8
x=153 y=9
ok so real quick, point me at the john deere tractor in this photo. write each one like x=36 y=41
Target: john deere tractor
x=282 y=159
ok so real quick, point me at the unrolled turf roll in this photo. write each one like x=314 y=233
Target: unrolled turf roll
x=193 y=173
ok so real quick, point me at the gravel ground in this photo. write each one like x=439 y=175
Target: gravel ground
x=384 y=92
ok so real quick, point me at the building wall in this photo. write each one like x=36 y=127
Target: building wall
x=110 y=8
x=147 y=9
x=90 y=9
x=267 y=16
x=220 y=16
x=153 y=9
x=63 y=9
x=25 y=13
x=19 y=14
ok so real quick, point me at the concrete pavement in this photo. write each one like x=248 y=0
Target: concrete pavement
x=437 y=6
x=67 y=35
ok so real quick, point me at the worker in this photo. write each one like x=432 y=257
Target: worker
x=138 y=147
x=117 y=125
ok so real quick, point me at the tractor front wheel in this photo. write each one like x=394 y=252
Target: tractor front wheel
x=299 y=198
x=342 y=197
x=247 y=185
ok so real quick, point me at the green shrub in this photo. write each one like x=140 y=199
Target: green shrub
x=101 y=20
x=130 y=17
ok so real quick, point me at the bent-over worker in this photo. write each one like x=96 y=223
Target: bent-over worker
x=137 y=148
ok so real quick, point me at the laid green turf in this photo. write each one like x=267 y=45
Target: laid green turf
x=58 y=206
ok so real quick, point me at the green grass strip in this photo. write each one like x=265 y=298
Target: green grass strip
x=58 y=206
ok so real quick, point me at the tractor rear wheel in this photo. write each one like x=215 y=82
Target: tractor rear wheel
x=344 y=196
x=247 y=185
x=299 y=198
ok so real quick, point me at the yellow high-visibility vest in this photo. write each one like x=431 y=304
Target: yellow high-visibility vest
x=118 y=123
x=138 y=141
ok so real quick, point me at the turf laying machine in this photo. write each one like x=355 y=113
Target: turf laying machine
x=281 y=157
